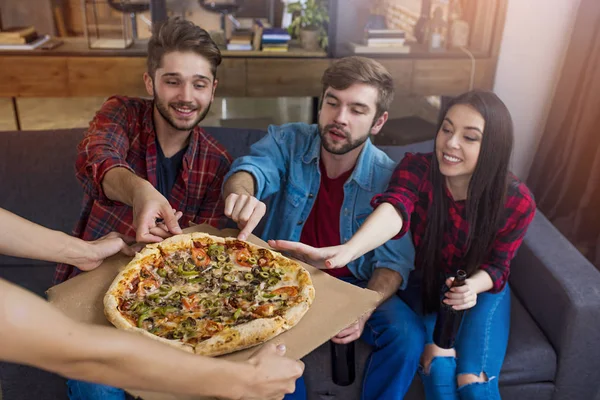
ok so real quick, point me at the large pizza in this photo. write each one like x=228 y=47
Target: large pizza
x=209 y=295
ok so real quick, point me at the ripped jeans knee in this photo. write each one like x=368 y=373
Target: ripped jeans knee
x=486 y=389
x=440 y=381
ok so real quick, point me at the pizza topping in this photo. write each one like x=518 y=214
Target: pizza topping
x=244 y=258
x=134 y=284
x=212 y=327
x=216 y=250
x=187 y=269
x=145 y=322
x=237 y=314
x=265 y=310
x=290 y=291
x=199 y=257
x=192 y=294
x=147 y=286
x=162 y=272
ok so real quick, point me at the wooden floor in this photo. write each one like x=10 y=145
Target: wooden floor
x=7 y=116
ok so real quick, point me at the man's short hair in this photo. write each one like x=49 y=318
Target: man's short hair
x=347 y=71
x=177 y=34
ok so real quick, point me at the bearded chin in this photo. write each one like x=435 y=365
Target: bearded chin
x=163 y=109
x=345 y=148
x=165 y=114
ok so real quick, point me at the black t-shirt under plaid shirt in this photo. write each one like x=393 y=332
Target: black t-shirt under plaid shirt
x=410 y=191
x=167 y=169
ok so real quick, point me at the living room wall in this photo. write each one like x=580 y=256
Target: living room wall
x=534 y=43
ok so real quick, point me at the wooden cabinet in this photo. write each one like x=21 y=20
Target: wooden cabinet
x=20 y=77
x=402 y=73
x=285 y=77
x=106 y=76
x=232 y=78
x=71 y=76
x=441 y=77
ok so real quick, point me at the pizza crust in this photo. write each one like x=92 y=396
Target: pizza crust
x=242 y=336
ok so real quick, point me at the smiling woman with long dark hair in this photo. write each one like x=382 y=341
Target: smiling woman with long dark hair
x=465 y=211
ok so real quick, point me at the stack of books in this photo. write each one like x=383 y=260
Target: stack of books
x=275 y=39
x=241 y=40
x=382 y=41
x=21 y=38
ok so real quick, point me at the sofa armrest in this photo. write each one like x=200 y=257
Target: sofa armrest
x=560 y=288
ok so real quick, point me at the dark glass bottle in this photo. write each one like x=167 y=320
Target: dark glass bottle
x=448 y=319
x=342 y=363
x=420 y=28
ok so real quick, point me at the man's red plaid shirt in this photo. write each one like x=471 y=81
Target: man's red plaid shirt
x=122 y=135
x=411 y=192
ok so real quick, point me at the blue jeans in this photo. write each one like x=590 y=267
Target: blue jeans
x=80 y=390
x=398 y=338
x=480 y=347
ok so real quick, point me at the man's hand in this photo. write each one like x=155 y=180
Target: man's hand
x=353 y=332
x=462 y=297
x=275 y=375
x=153 y=217
x=91 y=254
x=246 y=210
x=322 y=258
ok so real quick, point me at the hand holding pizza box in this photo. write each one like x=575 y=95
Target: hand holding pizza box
x=336 y=304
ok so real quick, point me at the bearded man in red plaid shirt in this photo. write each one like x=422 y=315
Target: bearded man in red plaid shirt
x=146 y=167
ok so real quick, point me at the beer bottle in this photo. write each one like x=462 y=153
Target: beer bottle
x=448 y=319
x=342 y=363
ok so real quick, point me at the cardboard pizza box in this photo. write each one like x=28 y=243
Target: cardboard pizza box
x=337 y=304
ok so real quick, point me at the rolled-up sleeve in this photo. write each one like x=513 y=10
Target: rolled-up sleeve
x=397 y=255
x=103 y=148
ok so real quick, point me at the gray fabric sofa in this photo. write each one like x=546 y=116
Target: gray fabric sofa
x=554 y=347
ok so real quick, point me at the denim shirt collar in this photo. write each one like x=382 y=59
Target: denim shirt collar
x=363 y=172
x=314 y=150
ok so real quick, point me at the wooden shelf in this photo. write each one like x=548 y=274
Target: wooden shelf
x=422 y=52
x=78 y=47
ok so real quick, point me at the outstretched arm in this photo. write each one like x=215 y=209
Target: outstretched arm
x=382 y=225
x=121 y=359
x=22 y=238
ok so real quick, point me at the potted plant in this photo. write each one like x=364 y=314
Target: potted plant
x=310 y=20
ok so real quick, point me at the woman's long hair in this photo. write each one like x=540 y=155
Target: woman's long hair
x=485 y=197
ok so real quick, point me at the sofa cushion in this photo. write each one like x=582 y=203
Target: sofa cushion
x=236 y=141
x=397 y=153
x=529 y=358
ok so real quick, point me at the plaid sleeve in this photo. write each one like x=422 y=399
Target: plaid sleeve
x=212 y=205
x=403 y=190
x=103 y=148
x=521 y=209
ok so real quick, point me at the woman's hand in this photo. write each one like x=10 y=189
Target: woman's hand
x=461 y=297
x=93 y=253
x=322 y=258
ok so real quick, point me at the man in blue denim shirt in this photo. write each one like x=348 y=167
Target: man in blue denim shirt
x=320 y=180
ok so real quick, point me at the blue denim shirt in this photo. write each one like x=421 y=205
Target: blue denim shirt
x=285 y=166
